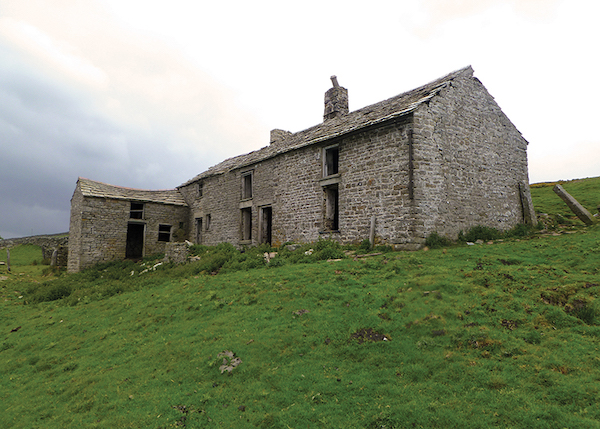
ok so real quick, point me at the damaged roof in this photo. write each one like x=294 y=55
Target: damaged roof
x=383 y=111
x=91 y=188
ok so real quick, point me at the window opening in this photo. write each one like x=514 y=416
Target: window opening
x=331 y=159
x=332 y=213
x=136 y=211
x=247 y=224
x=207 y=227
x=200 y=189
x=164 y=232
x=247 y=186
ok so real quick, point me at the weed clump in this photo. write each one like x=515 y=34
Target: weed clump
x=436 y=241
x=480 y=232
x=365 y=245
x=328 y=249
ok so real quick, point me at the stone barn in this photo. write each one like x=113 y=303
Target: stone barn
x=442 y=157
x=111 y=223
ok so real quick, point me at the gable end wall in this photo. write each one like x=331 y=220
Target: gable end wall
x=469 y=160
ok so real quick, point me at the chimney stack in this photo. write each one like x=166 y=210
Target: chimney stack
x=336 y=101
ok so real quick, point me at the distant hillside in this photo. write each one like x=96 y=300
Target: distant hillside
x=586 y=191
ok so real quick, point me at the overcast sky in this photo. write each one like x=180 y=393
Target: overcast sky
x=147 y=94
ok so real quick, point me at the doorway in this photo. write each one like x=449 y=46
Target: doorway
x=135 y=241
x=266 y=222
x=199 y=230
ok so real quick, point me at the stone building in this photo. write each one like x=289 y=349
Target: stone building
x=442 y=157
x=111 y=223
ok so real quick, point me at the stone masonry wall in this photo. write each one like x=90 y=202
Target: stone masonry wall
x=74 y=258
x=468 y=159
x=103 y=230
x=373 y=180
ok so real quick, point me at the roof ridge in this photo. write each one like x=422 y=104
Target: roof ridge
x=372 y=114
x=125 y=187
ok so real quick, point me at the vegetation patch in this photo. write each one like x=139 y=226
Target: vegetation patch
x=368 y=334
x=483 y=336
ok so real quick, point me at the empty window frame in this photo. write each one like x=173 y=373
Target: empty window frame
x=136 y=211
x=207 y=223
x=247 y=224
x=200 y=189
x=331 y=156
x=247 y=185
x=331 y=219
x=164 y=232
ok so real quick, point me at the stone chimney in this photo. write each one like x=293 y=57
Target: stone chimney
x=278 y=135
x=336 y=101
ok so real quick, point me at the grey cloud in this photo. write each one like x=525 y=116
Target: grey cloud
x=50 y=135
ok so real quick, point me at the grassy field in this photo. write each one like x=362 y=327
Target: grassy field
x=493 y=335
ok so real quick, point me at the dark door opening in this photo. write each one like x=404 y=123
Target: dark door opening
x=247 y=224
x=332 y=211
x=199 y=230
x=135 y=241
x=266 y=224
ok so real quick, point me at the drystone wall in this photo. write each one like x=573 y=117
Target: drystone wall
x=48 y=244
x=44 y=241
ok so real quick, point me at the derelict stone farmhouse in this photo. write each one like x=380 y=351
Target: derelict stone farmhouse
x=442 y=157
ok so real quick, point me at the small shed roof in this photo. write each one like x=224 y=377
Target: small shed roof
x=91 y=188
x=383 y=111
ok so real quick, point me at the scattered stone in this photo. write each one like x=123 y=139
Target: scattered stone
x=242 y=408
x=300 y=312
x=480 y=241
x=230 y=361
x=292 y=247
x=470 y=244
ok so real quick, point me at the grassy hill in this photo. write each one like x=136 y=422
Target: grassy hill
x=493 y=335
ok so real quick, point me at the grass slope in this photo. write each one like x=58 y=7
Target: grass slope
x=498 y=335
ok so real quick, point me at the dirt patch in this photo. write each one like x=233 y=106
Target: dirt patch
x=369 y=334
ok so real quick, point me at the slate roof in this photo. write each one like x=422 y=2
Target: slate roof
x=383 y=111
x=91 y=188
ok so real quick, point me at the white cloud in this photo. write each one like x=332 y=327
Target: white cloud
x=146 y=94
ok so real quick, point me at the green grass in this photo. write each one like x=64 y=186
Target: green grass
x=502 y=335
x=585 y=191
